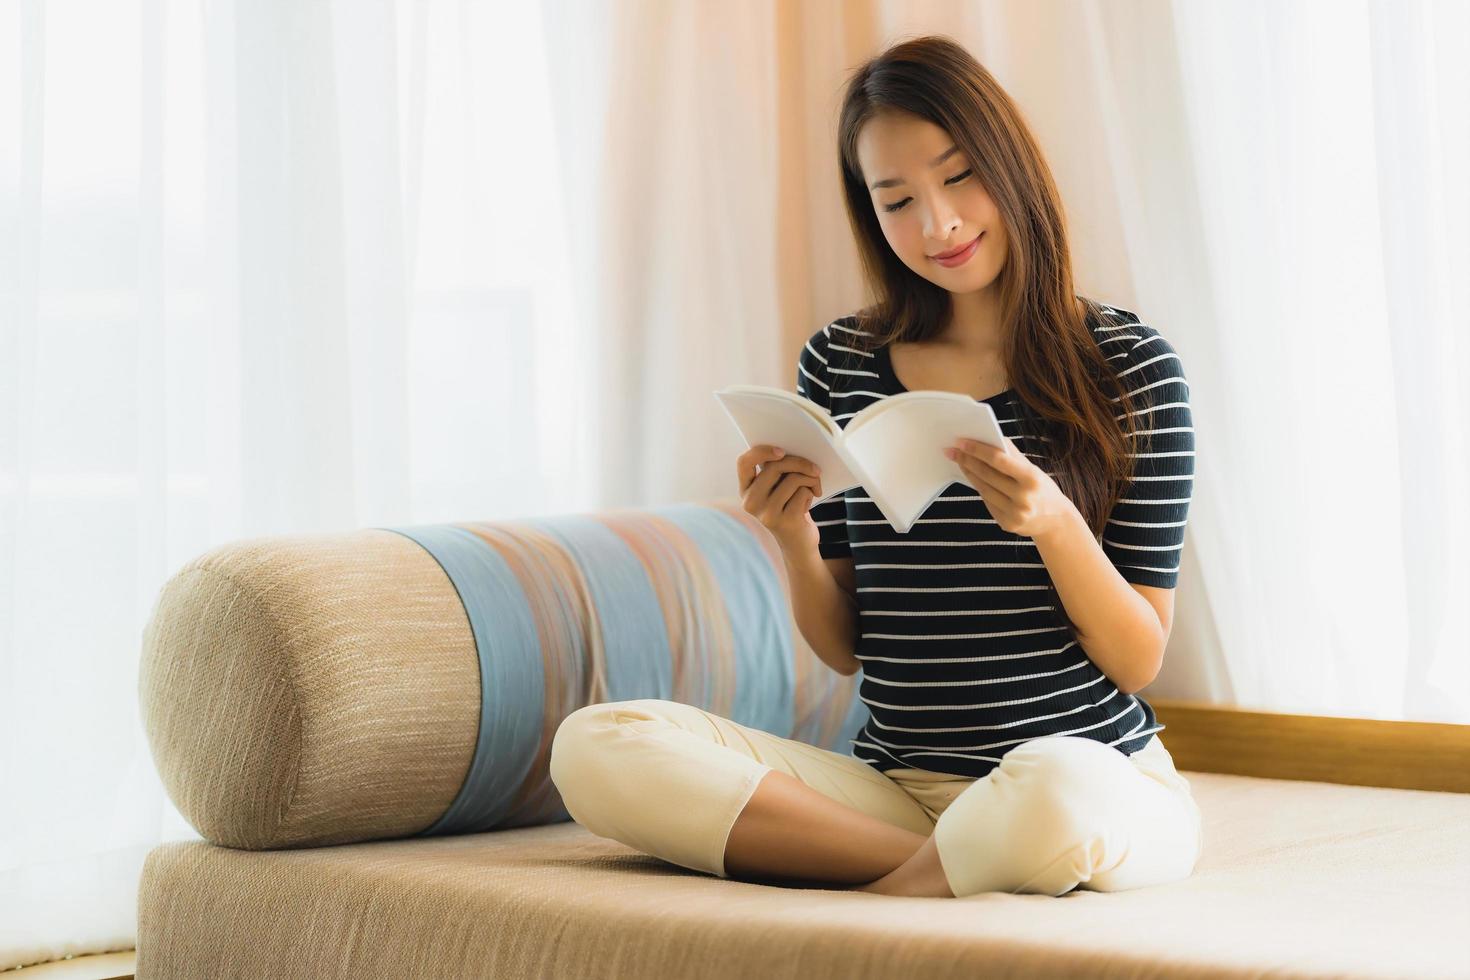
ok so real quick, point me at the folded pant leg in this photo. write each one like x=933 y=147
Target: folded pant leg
x=670 y=779
x=1062 y=812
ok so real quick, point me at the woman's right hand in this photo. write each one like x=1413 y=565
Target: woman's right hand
x=778 y=491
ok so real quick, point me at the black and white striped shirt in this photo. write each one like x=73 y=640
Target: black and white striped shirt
x=963 y=655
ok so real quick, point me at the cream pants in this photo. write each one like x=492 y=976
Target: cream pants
x=1057 y=813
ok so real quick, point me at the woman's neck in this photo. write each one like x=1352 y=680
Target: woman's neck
x=974 y=322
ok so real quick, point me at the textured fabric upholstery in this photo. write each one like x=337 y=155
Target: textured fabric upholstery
x=1297 y=879
x=329 y=688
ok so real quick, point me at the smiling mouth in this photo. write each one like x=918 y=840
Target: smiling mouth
x=958 y=251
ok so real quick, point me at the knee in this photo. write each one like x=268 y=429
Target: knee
x=1055 y=811
x=577 y=736
x=577 y=747
x=1067 y=787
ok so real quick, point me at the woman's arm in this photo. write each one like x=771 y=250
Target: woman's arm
x=1116 y=626
x=1119 y=628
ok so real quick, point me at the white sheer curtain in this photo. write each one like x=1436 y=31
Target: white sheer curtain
x=297 y=265
x=1293 y=191
x=267 y=267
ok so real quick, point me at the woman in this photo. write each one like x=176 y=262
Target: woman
x=1003 y=637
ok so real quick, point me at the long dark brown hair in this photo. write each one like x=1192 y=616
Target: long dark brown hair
x=1072 y=403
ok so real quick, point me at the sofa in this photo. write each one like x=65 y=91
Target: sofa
x=358 y=726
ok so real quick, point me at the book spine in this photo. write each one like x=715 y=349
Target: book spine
x=858 y=477
x=875 y=492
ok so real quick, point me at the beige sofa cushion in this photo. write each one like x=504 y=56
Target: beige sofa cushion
x=310 y=689
x=1296 y=879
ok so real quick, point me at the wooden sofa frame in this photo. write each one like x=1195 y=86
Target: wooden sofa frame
x=1320 y=748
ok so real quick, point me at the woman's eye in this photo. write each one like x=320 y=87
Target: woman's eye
x=890 y=208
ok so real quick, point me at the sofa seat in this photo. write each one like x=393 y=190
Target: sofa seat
x=1300 y=879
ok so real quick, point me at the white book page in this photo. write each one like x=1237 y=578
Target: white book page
x=773 y=417
x=902 y=446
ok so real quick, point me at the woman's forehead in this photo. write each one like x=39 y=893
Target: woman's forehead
x=890 y=147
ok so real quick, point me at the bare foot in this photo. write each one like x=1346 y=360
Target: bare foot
x=921 y=876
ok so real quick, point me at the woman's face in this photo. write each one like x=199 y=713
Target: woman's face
x=930 y=210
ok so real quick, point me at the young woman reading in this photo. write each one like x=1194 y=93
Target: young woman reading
x=1004 y=638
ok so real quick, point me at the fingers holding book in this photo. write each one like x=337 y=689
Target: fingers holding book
x=778 y=490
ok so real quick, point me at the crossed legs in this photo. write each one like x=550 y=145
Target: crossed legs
x=790 y=831
x=706 y=793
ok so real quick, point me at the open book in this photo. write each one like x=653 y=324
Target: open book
x=894 y=448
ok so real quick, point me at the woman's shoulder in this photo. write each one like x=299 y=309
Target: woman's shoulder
x=841 y=342
x=828 y=348
x=1110 y=316
x=840 y=332
x=1138 y=350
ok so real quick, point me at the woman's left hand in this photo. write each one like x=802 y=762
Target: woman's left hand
x=1021 y=497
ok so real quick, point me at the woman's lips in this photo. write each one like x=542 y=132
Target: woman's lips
x=960 y=257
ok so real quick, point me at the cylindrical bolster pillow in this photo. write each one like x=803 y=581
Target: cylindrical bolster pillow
x=306 y=690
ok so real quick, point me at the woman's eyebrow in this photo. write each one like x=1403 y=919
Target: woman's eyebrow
x=895 y=181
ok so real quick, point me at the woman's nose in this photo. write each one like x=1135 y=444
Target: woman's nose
x=940 y=222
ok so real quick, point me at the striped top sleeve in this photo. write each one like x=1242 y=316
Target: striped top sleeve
x=1144 y=535
x=813 y=382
